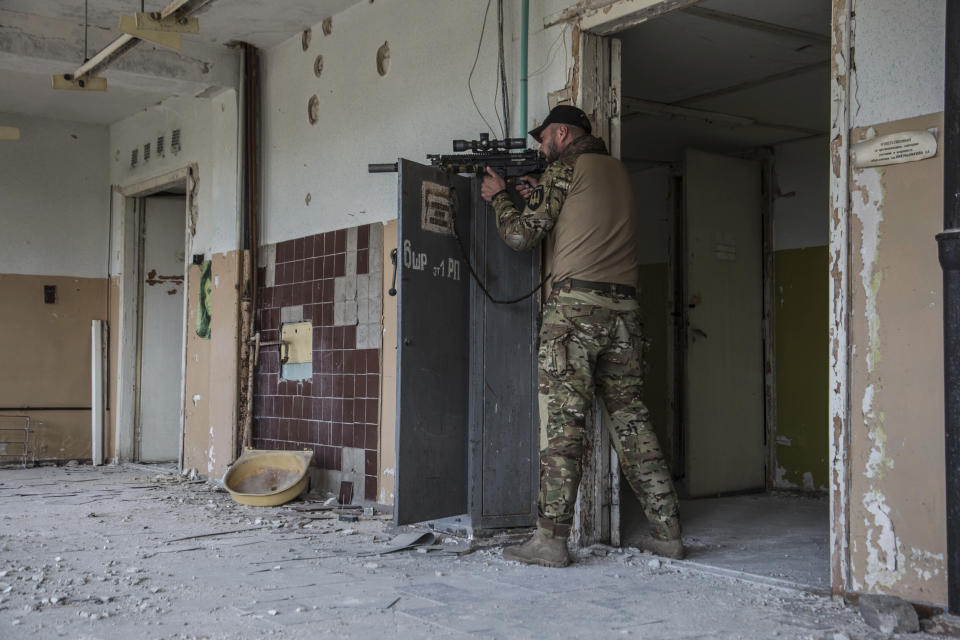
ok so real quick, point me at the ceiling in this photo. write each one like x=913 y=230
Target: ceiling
x=775 y=76
x=42 y=37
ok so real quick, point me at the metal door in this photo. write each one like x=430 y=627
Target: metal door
x=504 y=442
x=161 y=328
x=724 y=290
x=433 y=344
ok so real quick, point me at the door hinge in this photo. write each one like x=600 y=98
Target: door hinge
x=614 y=103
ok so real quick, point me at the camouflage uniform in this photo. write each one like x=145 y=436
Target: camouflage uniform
x=589 y=339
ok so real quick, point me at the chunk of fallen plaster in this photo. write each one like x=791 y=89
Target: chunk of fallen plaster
x=889 y=614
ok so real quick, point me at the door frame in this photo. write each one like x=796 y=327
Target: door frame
x=126 y=199
x=606 y=18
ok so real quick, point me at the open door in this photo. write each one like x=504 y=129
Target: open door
x=724 y=294
x=433 y=344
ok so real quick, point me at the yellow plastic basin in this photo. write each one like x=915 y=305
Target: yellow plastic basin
x=264 y=478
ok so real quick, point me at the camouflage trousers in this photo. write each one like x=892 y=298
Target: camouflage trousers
x=593 y=341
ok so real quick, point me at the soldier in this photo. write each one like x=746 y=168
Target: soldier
x=592 y=334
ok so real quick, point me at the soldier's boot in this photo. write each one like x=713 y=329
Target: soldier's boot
x=544 y=549
x=672 y=548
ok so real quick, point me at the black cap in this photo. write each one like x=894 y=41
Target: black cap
x=563 y=114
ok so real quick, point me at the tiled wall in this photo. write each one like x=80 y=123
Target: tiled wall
x=332 y=280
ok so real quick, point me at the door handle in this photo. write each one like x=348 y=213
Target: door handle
x=393 y=284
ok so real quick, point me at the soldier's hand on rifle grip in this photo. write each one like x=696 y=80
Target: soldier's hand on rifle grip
x=525 y=186
x=493 y=183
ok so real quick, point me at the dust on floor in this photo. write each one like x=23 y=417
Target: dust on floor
x=115 y=552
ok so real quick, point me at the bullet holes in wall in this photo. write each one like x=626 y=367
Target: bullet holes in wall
x=305 y=38
x=383 y=59
x=313 y=109
x=318 y=66
x=327 y=26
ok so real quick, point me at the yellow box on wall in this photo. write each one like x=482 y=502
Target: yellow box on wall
x=299 y=339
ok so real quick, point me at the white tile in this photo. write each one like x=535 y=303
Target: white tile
x=351 y=263
x=291 y=314
x=338 y=313
x=338 y=290
x=349 y=287
x=351 y=239
x=373 y=311
x=350 y=312
x=363 y=336
x=362 y=305
x=363 y=287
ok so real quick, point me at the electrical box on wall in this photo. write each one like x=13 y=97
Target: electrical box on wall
x=49 y=294
x=298 y=337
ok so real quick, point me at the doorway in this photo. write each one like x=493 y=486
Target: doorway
x=161 y=221
x=726 y=139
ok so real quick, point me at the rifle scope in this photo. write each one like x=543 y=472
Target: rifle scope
x=485 y=143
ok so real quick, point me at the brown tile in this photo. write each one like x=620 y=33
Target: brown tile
x=329 y=240
x=307 y=270
x=328 y=266
x=363 y=236
x=337 y=357
x=371 y=410
x=300 y=245
x=327 y=407
x=328 y=290
x=359 y=434
x=337 y=409
x=326 y=314
x=373 y=360
x=340 y=243
x=326 y=337
x=317 y=268
x=348 y=388
x=371 y=439
x=323 y=433
x=348 y=411
x=266 y=298
x=360 y=386
x=339 y=265
x=337 y=391
x=373 y=385
x=336 y=438
x=313 y=432
x=347 y=434
x=349 y=362
x=370 y=488
x=297 y=407
x=285 y=251
x=350 y=337
x=370 y=462
x=317 y=241
x=363 y=261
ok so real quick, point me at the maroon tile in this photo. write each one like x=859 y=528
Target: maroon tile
x=326 y=314
x=306 y=292
x=286 y=292
x=370 y=462
x=339 y=265
x=323 y=433
x=297 y=407
x=327 y=409
x=348 y=389
x=329 y=289
x=326 y=338
x=348 y=411
x=336 y=438
x=371 y=438
x=326 y=361
x=371 y=410
x=363 y=261
x=307 y=269
x=337 y=361
x=266 y=298
x=300 y=245
x=337 y=391
x=326 y=458
x=347 y=435
x=317 y=242
x=329 y=264
x=359 y=434
x=350 y=337
x=337 y=409
x=329 y=240
x=370 y=488
x=373 y=360
x=285 y=251
x=360 y=386
x=261 y=275
x=340 y=243
x=317 y=268
x=363 y=236
x=349 y=361
x=317 y=404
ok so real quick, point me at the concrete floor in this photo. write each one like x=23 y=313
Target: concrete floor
x=104 y=553
x=783 y=537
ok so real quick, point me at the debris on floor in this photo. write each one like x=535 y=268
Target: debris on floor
x=121 y=552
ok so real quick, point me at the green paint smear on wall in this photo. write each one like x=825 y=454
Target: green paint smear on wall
x=801 y=342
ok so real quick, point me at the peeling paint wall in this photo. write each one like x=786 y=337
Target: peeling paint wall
x=897 y=509
x=418 y=107
x=55 y=215
x=210 y=393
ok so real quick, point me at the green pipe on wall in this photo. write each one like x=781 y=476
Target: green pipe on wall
x=524 y=33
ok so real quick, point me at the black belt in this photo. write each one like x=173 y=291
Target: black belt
x=605 y=287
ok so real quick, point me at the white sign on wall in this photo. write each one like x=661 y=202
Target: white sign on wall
x=896 y=148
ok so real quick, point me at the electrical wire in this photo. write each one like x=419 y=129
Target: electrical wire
x=505 y=97
x=483 y=28
x=86 y=28
x=551 y=54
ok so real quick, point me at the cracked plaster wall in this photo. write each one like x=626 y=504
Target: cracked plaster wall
x=897 y=511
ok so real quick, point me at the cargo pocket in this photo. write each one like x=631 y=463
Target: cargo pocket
x=553 y=349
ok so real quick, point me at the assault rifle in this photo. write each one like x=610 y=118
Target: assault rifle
x=485 y=152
